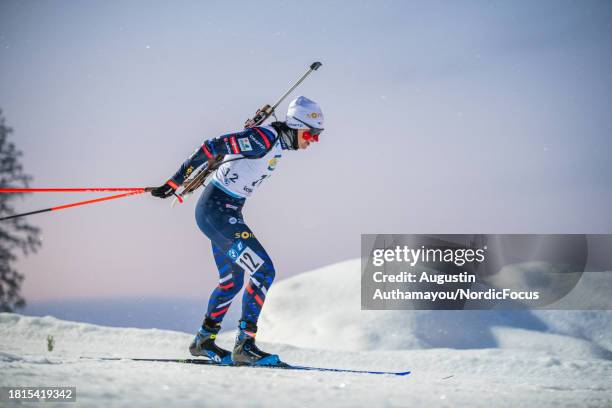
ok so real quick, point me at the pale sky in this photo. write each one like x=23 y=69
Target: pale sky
x=442 y=117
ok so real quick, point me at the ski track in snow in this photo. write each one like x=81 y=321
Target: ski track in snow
x=547 y=358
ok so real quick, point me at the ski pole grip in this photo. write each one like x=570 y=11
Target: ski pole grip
x=315 y=65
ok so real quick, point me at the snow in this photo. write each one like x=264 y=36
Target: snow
x=476 y=358
x=322 y=309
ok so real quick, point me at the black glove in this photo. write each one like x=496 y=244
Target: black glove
x=164 y=191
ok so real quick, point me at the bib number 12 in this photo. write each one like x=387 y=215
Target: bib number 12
x=249 y=261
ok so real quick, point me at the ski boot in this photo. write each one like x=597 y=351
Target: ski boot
x=246 y=352
x=204 y=344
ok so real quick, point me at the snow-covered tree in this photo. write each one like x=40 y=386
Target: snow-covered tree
x=16 y=235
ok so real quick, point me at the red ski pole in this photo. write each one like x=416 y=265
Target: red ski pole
x=69 y=190
x=97 y=200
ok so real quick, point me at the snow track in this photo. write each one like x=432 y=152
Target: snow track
x=496 y=358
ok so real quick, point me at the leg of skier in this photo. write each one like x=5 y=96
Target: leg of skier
x=231 y=280
x=246 y=254
x=261 y=270
x=214 y=210
x=230 y=283
x=236 y=250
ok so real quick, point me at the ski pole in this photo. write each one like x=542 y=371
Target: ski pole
x=61 y=207
x=69 y=190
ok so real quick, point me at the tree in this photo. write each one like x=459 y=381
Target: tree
x=16 y=235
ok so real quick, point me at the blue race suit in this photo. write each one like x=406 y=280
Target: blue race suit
x=236 y=251
x=219 y=215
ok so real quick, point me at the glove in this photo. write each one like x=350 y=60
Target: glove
x=165 y=191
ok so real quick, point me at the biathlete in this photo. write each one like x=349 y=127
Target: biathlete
x=219 y=215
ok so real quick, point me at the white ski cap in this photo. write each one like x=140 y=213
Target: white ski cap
x=303 y=113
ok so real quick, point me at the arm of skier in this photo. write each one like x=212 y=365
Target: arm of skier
x=251 y=142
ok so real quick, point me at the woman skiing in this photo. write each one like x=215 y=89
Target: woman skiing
x=219 y=216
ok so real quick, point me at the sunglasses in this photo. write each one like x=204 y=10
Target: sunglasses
x=312 y=134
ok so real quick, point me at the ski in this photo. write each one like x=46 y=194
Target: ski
x=283 y=366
